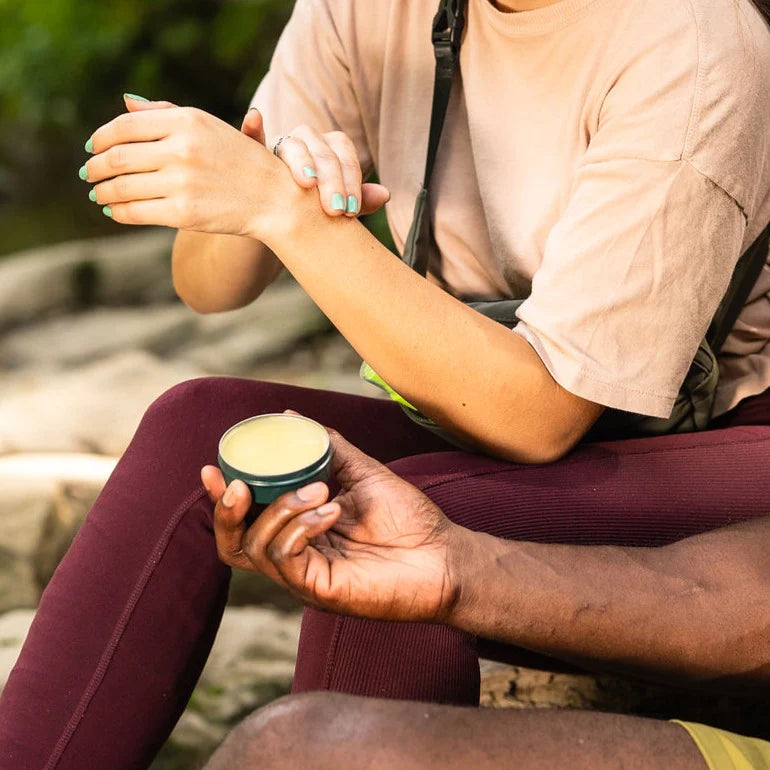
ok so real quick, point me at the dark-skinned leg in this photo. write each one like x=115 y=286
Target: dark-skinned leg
x=328 y=730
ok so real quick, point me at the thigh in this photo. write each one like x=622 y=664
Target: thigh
x=645 y=492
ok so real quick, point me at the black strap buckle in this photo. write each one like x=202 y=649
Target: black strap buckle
x=448 y=26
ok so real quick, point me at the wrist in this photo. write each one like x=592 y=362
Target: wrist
x=465 y=573
x=286 y=209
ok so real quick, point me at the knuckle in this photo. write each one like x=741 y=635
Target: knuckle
x=122 y=188
x=350 y=164
x=326 y=157
x=116 y=158
x=275 y=553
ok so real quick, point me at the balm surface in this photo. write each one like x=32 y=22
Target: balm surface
x=274 y=445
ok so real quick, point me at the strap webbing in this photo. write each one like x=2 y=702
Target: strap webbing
x=448 y=26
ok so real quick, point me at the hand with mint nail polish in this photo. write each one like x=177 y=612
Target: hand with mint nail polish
x=330 y=162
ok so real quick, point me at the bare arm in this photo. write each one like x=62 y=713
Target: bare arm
x=465 y=371
x=697 y=610
x=213 y=273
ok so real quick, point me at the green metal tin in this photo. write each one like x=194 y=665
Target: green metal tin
x=265 y=489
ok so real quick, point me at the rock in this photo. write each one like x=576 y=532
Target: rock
x=71 y=503
x=252 y=663
x=93 y=409
x=234 y=343
x=14 y=627
x=123 y=269
x=521 y=688
x=22 y=519
x=85 y=337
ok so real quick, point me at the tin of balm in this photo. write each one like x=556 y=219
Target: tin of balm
x=274 y=454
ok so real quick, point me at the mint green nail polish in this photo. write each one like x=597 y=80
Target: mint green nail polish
x=92 y=196
x=338 y=202
x=83 y=173
x=352 y=204
x=90 y=146
x=136 y=98
x=310 y=171
x=107 y=212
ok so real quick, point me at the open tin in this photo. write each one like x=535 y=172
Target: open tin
x=274 y=454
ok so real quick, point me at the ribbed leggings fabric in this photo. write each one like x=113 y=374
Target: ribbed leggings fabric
x=126 y=624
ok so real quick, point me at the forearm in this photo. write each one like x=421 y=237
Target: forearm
x=214 y=273
x=695 y=611
x=465 y=371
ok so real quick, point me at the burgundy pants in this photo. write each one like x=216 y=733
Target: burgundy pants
x=127 y=622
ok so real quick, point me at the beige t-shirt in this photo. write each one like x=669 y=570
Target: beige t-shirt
x=606 y=158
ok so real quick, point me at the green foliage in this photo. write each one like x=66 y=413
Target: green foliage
x=64 y=65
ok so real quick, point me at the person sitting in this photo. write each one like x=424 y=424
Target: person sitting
x=599 y=161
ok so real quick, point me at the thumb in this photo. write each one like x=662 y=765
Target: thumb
x=138 y=104
x=254 y=126
x=373 y=198
x=350 y=465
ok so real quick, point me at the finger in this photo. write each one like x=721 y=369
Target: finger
x=146 y=125
x=350 y=165
x=230 y=523
x=213 y=482
x=133 y=104
x=275 y=517
x=132 y=187
x=373 y=198
x=137 y=126
x=288 y=551
x=125 y=159
x=254 y=126
x=159 y=211
x=331 y=184
x=295 y=154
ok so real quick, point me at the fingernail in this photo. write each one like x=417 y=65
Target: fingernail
x=229 y=497
x=92 y=196
x=83 y=173
x=310 y=172
x=352 y=204
x=90 y=146
x=325 y=510
x=311 y=492
x=107 y=211
x=136 y=98
x=338 y=202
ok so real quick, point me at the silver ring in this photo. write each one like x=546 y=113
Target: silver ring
x=279 y=143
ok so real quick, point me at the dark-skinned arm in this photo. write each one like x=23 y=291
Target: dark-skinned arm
x=696 y=611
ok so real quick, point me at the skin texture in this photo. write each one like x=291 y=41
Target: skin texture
x=182 y=168
x=696 y=611
x=331 y=731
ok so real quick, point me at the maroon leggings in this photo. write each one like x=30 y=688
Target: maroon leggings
x=127 y=622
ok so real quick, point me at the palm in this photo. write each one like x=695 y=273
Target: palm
x=386 y=556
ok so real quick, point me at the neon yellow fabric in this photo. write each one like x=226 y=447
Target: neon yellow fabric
x=369 y=375
x=727 y=751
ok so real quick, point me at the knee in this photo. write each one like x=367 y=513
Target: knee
x=186 y=400
x=293 y=733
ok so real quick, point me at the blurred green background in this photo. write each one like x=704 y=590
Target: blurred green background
x=64 y=65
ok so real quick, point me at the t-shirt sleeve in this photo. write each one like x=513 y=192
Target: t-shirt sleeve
x=631 y=277
x=309 y=81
